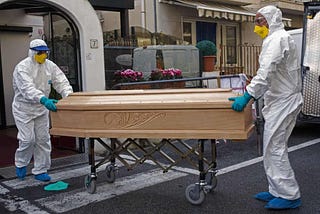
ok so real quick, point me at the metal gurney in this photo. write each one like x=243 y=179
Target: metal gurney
x=176 y=114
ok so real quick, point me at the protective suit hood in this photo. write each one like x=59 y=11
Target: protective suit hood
x=273 y=16
x=35 y=46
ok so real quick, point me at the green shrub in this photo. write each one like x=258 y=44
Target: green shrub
x=207 y=48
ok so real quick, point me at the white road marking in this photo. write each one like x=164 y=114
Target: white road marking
x=23 y=205
x=14 y=203
x=303 y=145
x=75 y=199
x=72 y=200
x=249 y=162
x=235 y=166
x=29 y=181
x=3 y=190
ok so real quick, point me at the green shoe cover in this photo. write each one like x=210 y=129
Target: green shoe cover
x=60 y=185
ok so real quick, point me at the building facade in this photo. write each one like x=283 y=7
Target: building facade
x=229 y=24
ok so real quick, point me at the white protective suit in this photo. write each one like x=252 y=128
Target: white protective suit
x=278 y=79
x=31 y=81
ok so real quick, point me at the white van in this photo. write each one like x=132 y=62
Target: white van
x=183 y=57
x=309 y=40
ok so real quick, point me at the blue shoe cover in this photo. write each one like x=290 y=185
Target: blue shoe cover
x=43 y=177
x=280 y=204
x=264 y=196
x=21 y=172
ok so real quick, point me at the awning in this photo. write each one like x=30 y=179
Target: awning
x=112 y=5
x=219 y=11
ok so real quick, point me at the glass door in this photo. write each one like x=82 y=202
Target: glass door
x=63 y=40
x=230 y=58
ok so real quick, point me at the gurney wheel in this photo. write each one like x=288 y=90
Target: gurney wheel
x=90 y=184
x=212 y=182
x=110 y=171
x=194 y=194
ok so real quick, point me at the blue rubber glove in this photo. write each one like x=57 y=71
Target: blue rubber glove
x=49 y=103
x=240 y=102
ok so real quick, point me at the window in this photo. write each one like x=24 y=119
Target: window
x=187 y=32
x=231 y=43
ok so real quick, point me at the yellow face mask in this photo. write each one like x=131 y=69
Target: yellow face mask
x=40 y=58
x=261 y=31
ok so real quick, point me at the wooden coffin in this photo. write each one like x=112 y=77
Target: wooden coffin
x=171 y=113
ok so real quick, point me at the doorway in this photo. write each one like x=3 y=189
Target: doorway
x=62 y=38
x=206 y=31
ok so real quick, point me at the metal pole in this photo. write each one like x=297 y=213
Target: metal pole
x=155 y=16
x=259 y=127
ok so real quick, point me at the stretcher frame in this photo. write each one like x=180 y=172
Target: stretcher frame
x=195 y=193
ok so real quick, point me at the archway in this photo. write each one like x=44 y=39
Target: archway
x=19 y=14
x=21 y=27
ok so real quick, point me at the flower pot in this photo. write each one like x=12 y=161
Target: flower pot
x=172 y=85
x=209 y=63
x=137 y=86
x=164 y=84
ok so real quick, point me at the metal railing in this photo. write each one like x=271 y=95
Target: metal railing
x=239 y=59
x=123 y=42
x=194 y=82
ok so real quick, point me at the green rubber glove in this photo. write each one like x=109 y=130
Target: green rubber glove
x=240 y=102
x=59 y=185
x=49 y=103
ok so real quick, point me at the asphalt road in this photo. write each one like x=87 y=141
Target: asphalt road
x=145 y=189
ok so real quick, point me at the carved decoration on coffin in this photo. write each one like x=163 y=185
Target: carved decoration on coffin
x=130 y=120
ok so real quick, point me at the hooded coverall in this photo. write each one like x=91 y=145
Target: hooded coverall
x=278 y=79
x=31 y=81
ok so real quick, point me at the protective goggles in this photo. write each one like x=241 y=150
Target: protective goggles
x=259 y=21
x=42 y=52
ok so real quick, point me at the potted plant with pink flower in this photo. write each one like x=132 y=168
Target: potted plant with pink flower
x=128 y=75
x=167 y=74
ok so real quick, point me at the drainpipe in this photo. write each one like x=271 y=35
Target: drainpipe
x=143 y=13
x=155 y=16
x=124 y=19
x=155 y=20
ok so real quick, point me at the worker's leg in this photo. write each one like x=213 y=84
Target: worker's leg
x=281 y=178
x=24 y=152
x=42 y=151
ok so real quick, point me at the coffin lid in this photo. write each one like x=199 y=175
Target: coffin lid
x=148 y=99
